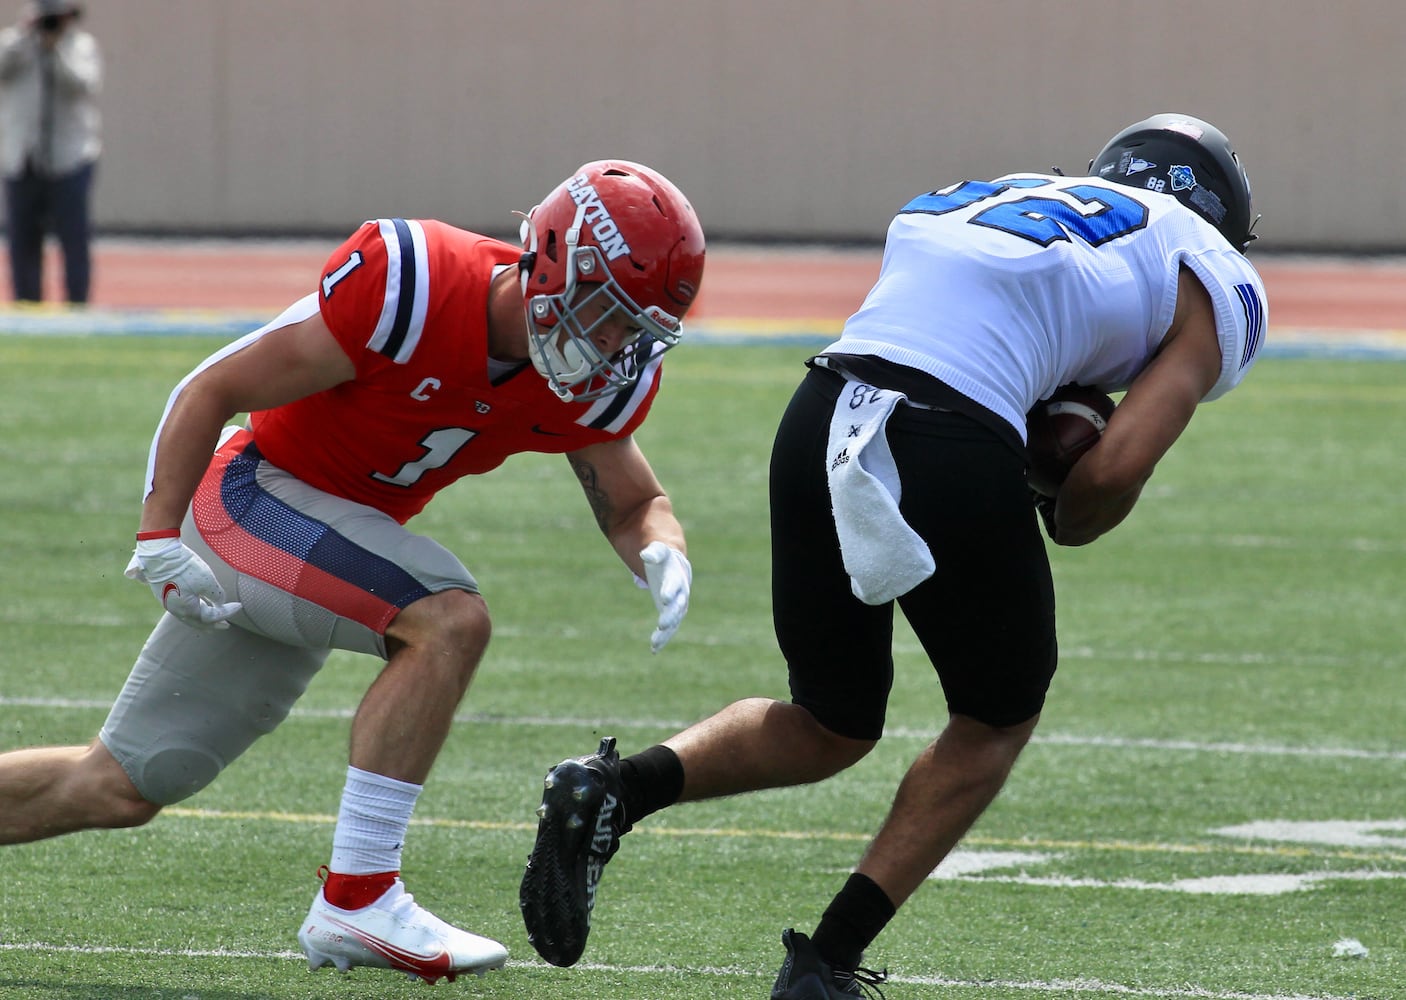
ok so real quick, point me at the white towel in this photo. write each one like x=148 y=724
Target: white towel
x=883 y=556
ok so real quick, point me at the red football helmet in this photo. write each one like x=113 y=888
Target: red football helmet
x=617 y=239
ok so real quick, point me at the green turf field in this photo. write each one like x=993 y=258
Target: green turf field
x=1214 y=803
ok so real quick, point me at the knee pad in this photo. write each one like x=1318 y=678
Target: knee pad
x=168 y=774
x=195 y=701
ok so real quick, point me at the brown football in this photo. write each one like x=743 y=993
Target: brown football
x=1059 y=430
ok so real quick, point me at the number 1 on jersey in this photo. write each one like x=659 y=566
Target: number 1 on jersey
x=440 y=446
x=329 y=282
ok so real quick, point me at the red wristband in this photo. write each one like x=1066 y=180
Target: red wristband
x=146 y=536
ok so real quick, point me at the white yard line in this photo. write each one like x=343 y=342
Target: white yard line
x=892 y=732
x=1089 y=986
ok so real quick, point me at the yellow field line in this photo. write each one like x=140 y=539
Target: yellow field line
x=1021 y=843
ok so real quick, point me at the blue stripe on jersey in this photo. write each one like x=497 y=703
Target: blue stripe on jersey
x=619 y=400
x=405 y=301
x=274 y=522
x=1254 y=321
x=607 y=410
x=400 y=326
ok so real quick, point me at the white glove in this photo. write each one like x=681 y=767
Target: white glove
x=669 y=576
x=182 y=582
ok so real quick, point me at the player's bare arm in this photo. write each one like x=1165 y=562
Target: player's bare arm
x=629 y=504
x=279 y=367
x=1105 y=484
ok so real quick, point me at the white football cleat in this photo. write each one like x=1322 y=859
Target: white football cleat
x=394 y=932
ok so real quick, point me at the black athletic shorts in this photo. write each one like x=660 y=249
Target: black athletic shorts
x=986 y=618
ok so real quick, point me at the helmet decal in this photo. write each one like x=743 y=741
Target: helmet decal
x=1208 y=203
x=1189 y=129
x=597 y=216
x=1127 y=165
x=1183 y=178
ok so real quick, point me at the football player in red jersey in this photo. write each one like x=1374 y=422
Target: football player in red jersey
x=427 y=353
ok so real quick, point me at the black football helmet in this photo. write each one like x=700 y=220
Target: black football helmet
x=1189 y=159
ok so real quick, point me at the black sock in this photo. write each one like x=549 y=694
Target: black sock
x=650 y=780
x=851 y=922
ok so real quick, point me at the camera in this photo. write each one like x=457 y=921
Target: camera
x=52 y=22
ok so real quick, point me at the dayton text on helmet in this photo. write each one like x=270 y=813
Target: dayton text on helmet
x=603 y=227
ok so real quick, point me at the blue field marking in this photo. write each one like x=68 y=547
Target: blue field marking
x=1342 y=345
x=61 y=321
x=810 y=332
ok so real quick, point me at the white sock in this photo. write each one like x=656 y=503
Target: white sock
x=371 y=823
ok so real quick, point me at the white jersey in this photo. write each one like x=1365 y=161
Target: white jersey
x=1008 y=289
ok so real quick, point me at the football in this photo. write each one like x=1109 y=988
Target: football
x=1059 y=430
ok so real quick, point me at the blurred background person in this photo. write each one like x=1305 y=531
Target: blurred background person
x=50 y=75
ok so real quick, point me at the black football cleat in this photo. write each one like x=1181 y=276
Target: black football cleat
x=579 y=826
x=806 y=976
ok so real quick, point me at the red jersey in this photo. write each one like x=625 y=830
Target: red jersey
x=408 y=302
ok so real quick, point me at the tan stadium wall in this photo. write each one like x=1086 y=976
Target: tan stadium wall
x=786 y=119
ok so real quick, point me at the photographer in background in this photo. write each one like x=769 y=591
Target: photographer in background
x=50 y=75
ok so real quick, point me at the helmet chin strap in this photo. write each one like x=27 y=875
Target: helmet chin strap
x=569 y=367
x=560 y=364
x=552 y=363
x=527 y=263
x=527 y=234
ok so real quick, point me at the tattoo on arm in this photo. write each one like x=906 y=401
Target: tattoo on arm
x=590 y=482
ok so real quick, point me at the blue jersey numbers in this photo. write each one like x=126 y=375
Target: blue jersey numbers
x=1092 y=212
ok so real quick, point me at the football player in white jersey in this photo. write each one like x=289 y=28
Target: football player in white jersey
x=992 y=294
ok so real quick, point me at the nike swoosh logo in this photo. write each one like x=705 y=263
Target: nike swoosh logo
x=538 y=429
x=430 y=966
